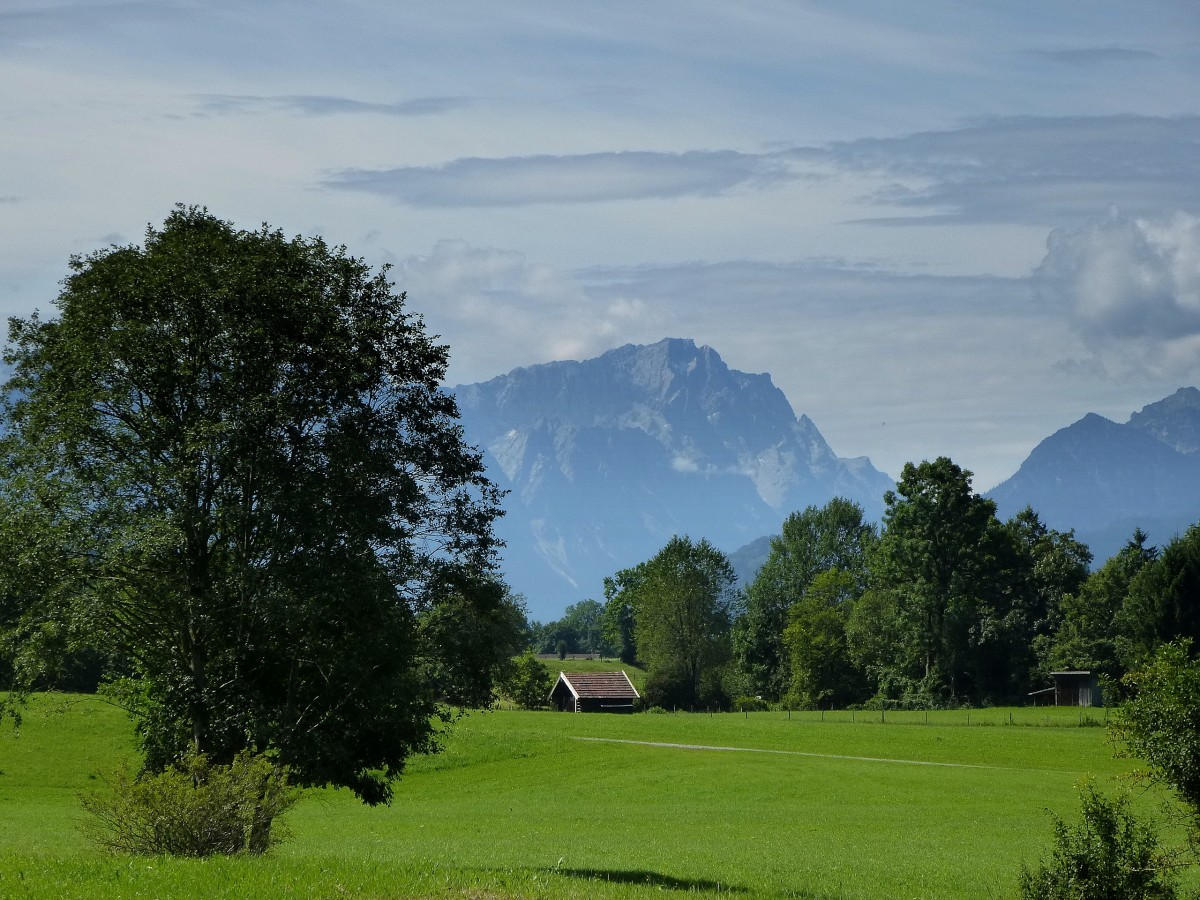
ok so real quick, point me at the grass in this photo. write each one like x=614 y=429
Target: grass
x=521 y=804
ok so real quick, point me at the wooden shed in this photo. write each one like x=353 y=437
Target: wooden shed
x=593 y=692
x=1071 y=688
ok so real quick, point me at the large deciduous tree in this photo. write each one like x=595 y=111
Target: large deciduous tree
x=683 y=605
x=813 y=541
x=824 y=674
x=936 y=557
x=229 y=460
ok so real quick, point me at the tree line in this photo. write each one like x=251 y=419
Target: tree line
x=944 y=604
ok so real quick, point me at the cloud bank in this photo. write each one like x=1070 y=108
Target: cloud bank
x=1131 y=286
x=582 y=178
x=1035 y=169
x=1053 y=170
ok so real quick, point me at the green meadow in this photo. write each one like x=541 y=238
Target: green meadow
x=550 y=805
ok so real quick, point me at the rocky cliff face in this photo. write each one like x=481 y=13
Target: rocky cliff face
x=1104 y=479
x=608 y=458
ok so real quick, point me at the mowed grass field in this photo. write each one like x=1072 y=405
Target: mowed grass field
x=550 y=805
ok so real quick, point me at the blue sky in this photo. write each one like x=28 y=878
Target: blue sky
x=945 y=228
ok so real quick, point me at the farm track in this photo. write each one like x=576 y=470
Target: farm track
x=877 y=759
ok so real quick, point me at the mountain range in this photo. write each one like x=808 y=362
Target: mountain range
x=606 y=459
x=1104 y=478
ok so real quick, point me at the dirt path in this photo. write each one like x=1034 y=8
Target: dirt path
x=878 y=759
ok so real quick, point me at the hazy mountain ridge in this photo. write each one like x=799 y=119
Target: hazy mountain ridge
x=608 y=458
x=1104 y=479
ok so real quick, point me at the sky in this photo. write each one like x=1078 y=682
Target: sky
x=944 y=228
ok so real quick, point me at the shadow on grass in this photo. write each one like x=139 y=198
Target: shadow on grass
x=648 y=879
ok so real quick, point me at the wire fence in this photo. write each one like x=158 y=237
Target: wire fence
x=1021 y=716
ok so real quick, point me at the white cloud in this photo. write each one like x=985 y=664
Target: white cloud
x=1131 y=286
x=497 y=310
x=685 y=465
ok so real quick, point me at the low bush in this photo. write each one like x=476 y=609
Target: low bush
x=1108 y=855
x=193 y=809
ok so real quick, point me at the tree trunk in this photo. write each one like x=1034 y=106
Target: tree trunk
x=197 y=710
x=258 y=841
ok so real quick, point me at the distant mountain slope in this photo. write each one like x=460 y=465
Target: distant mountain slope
x=610 y=457
x=1104 y=479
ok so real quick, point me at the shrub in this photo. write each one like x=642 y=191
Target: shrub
x=196 y=808
x=530 y=683
x=1109 y=855
x=1160 y=722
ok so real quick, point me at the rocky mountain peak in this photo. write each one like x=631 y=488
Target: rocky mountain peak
x=1174 y=420
x=608 y=458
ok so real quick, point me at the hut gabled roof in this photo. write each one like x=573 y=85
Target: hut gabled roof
x=598 y=685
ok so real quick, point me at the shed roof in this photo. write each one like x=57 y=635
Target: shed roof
x=599 y=685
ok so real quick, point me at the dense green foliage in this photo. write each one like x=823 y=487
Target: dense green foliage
x=580 y=630
x=935 y=558
x=529 y=682
x=231 y=469
x=1091 y=633
x=1163 y=601
x=619 y=619
x=948 y=606
x=682 y=605
x=813 y=541
x=1160 y=723
x=823 y=674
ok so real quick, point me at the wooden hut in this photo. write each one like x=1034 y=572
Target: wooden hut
x=593 y=692
x=1071 y=688
x=1076 y=688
